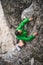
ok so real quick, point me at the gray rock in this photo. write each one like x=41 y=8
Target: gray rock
x=6 y=39
x=14 y=9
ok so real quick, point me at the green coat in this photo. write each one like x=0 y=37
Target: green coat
x=24 y=36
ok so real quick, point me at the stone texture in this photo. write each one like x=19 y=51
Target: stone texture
x=6 y=40
x=14 y=11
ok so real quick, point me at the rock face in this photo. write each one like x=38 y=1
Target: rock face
x=15 y=10
x=6 y=40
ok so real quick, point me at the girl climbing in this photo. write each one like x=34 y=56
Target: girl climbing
x=21 y=33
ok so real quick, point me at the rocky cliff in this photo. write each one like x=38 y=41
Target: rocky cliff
x=15 y=11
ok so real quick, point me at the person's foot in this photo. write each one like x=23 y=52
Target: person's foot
x=17 y=47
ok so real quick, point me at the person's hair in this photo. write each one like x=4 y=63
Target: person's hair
x=17 y=33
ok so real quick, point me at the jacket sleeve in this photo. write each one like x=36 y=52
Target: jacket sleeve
x=30 y=38
x=22 y=24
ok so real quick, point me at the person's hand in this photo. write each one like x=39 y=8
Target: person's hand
x=31 y=18
x=35 y=33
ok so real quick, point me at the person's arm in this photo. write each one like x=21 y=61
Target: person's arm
x=30 y=38
x=22 y=24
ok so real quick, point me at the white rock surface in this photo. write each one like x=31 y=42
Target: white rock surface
x=28 y=12
x=6 y=40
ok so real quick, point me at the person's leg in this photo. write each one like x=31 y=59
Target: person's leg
x=29 y=38
x=21 y=43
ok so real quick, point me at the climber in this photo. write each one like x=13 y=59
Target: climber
x=21 y=33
